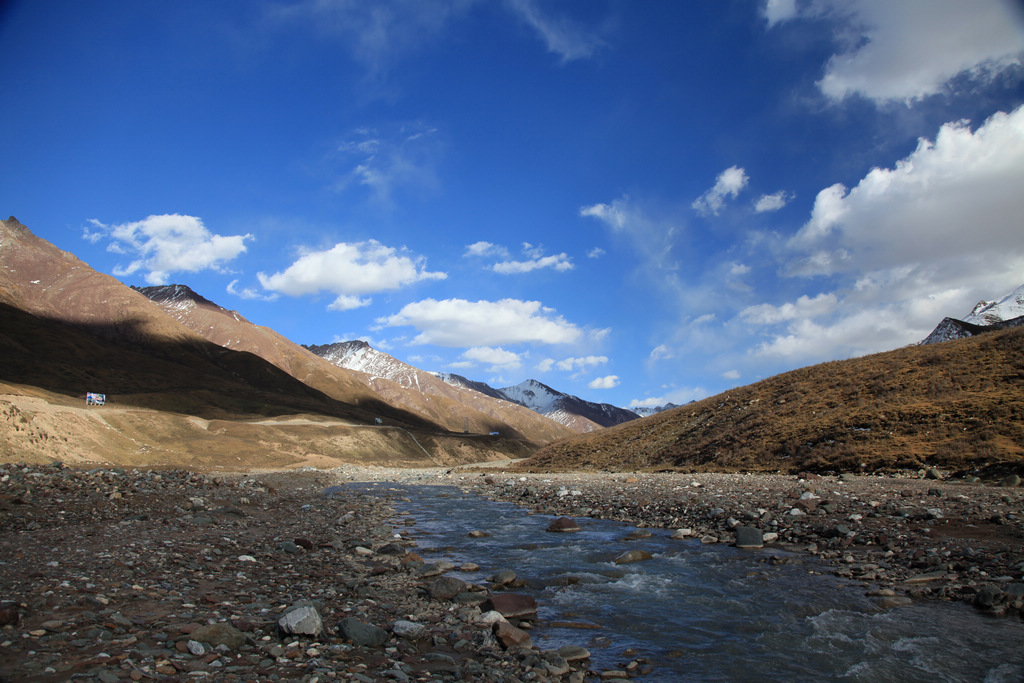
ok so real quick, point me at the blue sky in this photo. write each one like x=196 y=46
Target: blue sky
x=634 y=202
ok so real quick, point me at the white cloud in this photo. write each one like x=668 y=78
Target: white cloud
x=562 y=36
x=167 y=244
x=349 y=270
x=596 y=252
x=772 y=202
x=615 y=215
x=560 y=262
x=461 y=323
x=908 y=50
x=495 y=357
x=731 y=374
x=776 y=11
x=804 y=307
x=661 y=352
x=384 y=162
x=609 y=382
x=486 y=249
x=907 y=246
x=248 y=292
x=728 y=184
x=949 y=199
x=584 y=363
x=377 y=33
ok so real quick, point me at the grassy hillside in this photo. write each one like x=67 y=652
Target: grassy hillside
x=954 y=405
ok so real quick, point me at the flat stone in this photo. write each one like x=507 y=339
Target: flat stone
x=563 y=524
x=361 y=633
x=511 y=605
x=219 y=634
x=510 y=636
x=445 y=588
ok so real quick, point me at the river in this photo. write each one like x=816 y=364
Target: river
x=705 y=612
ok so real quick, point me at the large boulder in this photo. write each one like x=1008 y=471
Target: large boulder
x=304 y=620
x=563 y=524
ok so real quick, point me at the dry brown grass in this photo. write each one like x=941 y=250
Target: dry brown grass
x=956 y=405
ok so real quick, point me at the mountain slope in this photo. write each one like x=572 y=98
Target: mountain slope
x=456 y=407
x=955 y=405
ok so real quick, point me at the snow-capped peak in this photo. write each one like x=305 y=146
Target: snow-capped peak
x=991 y=312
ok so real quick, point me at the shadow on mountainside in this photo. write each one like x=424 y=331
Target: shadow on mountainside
x=134 y=368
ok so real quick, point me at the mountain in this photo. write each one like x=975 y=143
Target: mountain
x=647 y=412
x=1002 y=310
x=575 y=413
x=175 y=398
x=986 y=316
x=955 y=406
x=458 y=407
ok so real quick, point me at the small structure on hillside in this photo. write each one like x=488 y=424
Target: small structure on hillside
x=94 y=399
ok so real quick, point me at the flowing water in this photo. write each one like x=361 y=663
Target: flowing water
x=706 y=612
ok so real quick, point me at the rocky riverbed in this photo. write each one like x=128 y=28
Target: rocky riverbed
x=112 y=575
x=905 y=538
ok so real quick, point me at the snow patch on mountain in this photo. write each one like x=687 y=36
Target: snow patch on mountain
x=359 y=356
x=991 y=312
x=647 y=411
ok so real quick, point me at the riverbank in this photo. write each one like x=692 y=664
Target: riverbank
x=112 y=575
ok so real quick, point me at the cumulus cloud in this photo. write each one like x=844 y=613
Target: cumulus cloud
x=349 y=270
x=908 y=50
x=957 y=196
x=906 y=246
x=609 y=382
x=461 y=323
x=562 y=36
x=728 y=184
x=496 y=358
x=772 y=202
x=584 y=363
x=165 y=244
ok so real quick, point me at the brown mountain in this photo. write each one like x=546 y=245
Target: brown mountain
x=403 y=386
x=174 y=397
x=954 y=405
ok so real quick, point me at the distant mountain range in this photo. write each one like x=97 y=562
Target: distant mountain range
x=572 y=412
x=986 y=316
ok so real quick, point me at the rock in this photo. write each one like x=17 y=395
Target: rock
x=749 y=537
x=219 y=634
x=196 y=648
x=445 y=588
x=563 y=524
x=631 y=556
x=503 y=577
x=573 y=653
x=682 y=533
x=933 y=474
x=409 y=630
x=769 y=537
x=362 y=634
x=303 y=620
x=478 y=534
x=1011 y=480
x=511 y=605
x=708 y=539
x=637 y=534
x=489 y=618
x=510 y=636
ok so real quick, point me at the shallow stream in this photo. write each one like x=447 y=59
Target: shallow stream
x=706 y=612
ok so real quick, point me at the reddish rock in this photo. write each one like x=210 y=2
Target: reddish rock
x=511 y=605
x=510 y=636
